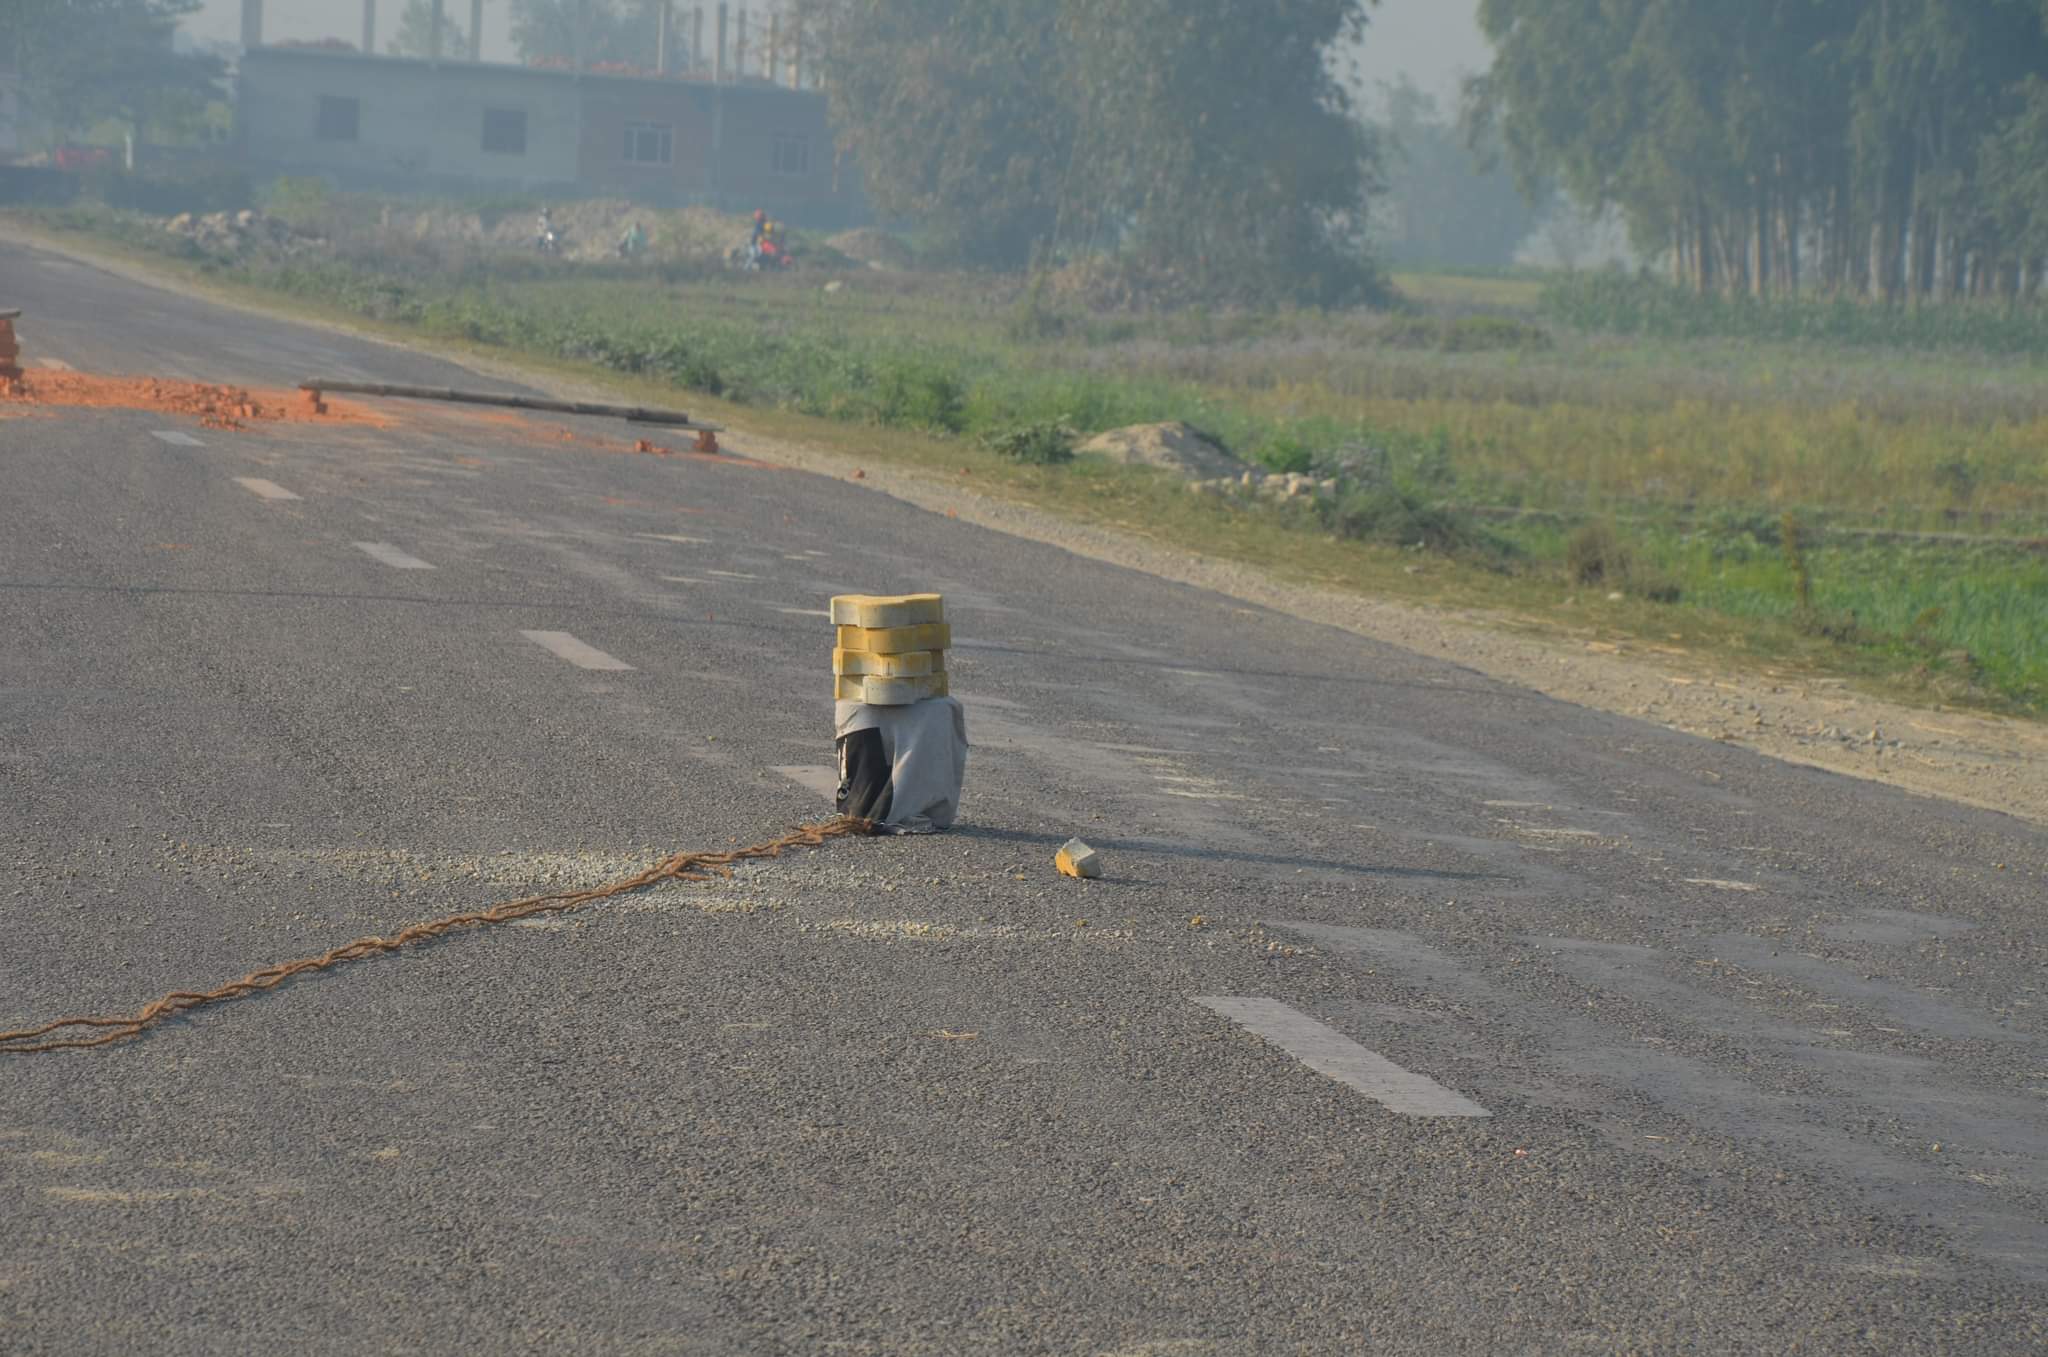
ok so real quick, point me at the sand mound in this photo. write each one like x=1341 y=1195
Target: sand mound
x=1174 y=446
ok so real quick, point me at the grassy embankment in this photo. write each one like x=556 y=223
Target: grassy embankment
x=1854 y=504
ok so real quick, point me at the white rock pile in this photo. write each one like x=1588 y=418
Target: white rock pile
x=234 y=232
x=1268 y=485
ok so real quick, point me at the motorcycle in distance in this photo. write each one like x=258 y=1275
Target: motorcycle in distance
x=766 y=253
x=547 y=239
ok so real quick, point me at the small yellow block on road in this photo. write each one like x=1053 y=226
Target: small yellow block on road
x=1078 y=859
x=896 y=640
x=897 y=610
x=911 y=664
x=889 y=692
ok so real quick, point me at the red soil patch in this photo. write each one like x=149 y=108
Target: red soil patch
x=235 y=407
x=216 y=407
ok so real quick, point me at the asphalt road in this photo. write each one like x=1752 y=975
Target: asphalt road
x=1762 y=1048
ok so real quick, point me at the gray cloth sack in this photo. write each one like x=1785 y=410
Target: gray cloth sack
x=926 y=746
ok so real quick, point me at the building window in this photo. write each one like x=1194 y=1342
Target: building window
x=338 y=118
x=792 y=154
x=505 y=130
x=649 y=143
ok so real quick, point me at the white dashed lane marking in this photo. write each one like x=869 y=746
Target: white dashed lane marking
x=392 y=556
x=813 y=777
x=567 y=647
x=256 y=485
x=177 y=438
x=1327 y=1051
x=804 y=612
x=673 y=537
x=731 y=575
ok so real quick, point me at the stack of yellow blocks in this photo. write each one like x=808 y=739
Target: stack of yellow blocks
x=892 y=650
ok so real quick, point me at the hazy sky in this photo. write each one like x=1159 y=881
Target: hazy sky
x=1432 y=40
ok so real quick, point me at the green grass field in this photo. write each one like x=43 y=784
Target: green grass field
x=1545 y=467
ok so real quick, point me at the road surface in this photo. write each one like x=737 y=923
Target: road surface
x=1416 y=1013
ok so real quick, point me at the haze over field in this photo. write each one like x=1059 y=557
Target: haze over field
x=1433 y=42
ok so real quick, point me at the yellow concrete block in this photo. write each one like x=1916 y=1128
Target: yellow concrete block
x=889 y=692
x=895 y=610
x=910 y=664
x=896 y=640
x=1078 y=859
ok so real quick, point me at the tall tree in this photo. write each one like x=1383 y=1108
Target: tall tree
x=86 y=61
x=1208 y=136
x=1770 y=144
x=955 y=112
x=414 y=37
x=1216 y=136
x=599 y=32
x=2013 y=165
x=1935 y=76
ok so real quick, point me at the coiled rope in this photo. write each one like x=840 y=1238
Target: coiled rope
x=105 y=1030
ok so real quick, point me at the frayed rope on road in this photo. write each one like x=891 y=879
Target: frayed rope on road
x=679 y=867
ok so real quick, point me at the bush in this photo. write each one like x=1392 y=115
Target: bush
x=1036 y=316
x=1040 y=444
x=1598 y=555
x=1480 y=334
x=198 y=189
x=1392 y=517
x=1792 y=539
x=1410 y=332
x=36 y=184
x=1464 y=334
x=919 y=395
x=1618 y=303
x=301 y=203
x=1284 y=453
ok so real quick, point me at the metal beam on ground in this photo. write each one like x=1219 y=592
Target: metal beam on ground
x=635 y=414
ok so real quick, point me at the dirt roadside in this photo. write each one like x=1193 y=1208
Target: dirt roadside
x=1994 y=763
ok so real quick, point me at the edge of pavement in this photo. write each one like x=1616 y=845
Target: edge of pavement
x=1990 y=762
